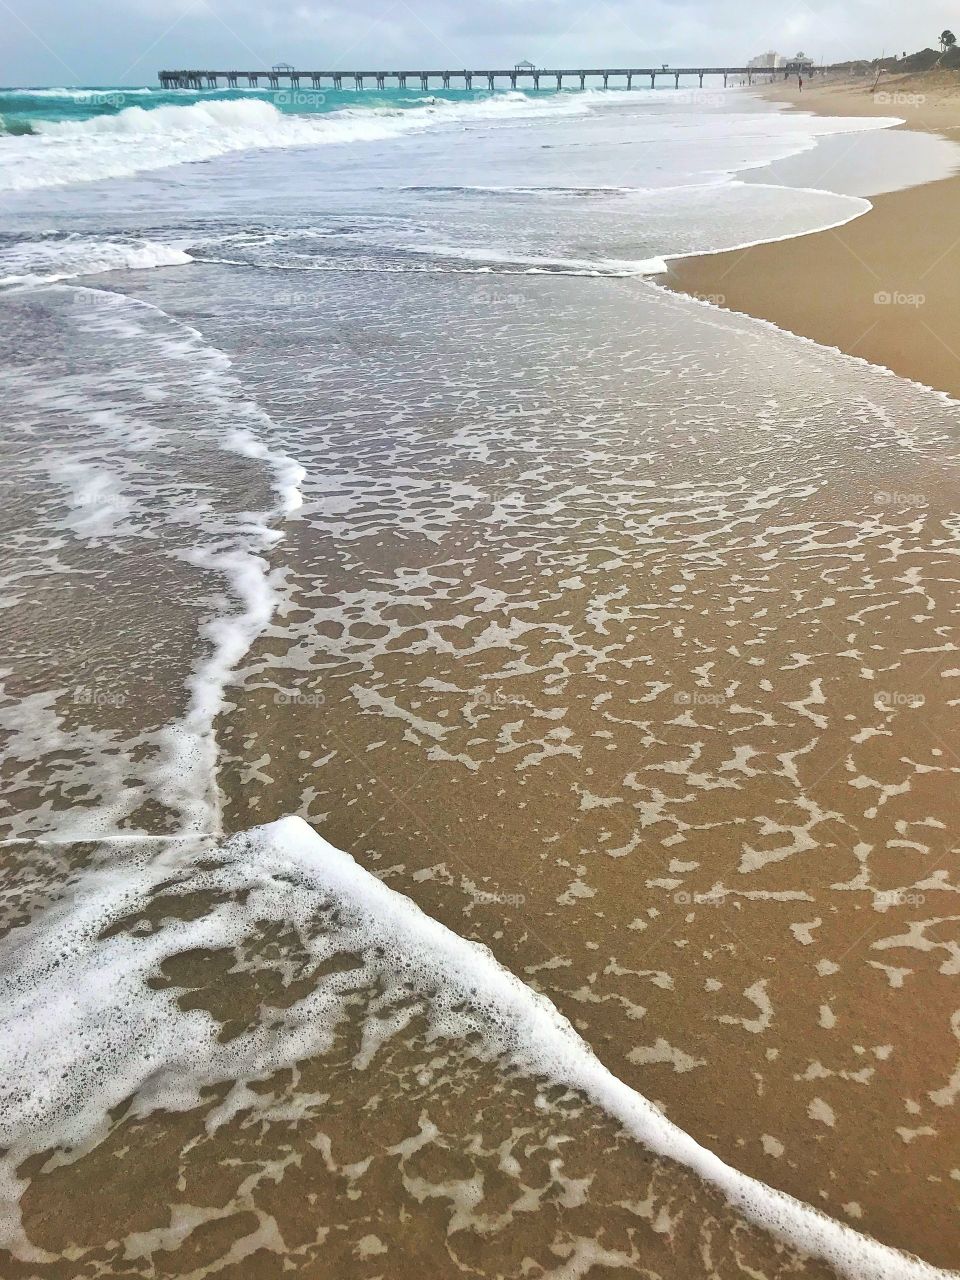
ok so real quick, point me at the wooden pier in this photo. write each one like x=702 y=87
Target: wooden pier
x=517 y=77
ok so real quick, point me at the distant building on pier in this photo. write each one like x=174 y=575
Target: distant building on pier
x=799 y=64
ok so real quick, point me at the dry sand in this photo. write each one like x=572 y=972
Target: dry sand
x=883 y=287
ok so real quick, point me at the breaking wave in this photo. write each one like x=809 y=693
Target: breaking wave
x=136 y=140
x=50 y=261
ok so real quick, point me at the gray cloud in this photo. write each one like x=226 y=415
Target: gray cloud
x=126 y=41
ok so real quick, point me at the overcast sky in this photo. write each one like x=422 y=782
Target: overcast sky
x=63 y=42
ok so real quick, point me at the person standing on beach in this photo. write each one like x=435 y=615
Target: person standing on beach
x=800 y=80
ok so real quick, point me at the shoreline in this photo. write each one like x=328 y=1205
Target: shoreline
x=881 y=287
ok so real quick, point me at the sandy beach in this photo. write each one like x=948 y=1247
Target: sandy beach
x=883 y=287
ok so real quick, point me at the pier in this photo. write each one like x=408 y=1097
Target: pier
x=516 y=77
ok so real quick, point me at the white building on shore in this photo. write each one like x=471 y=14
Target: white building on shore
x=767 y=61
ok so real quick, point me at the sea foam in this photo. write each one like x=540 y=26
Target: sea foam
x=110 y=488
x=52 y=261
x=84 y=1029
x=137 y=140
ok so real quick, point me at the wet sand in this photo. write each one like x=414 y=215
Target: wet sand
x=658 y=715
x=883 y=287
x=638 y=671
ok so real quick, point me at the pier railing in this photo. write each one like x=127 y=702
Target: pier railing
x=194 y=79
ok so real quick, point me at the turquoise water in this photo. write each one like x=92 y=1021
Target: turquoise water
x=22 y=109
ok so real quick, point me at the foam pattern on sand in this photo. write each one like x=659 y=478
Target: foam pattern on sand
x=701 y=632
x=83 y=1033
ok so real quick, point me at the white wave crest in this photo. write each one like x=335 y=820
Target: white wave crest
x=77 y=95
x=137 y=140
x=47 y=262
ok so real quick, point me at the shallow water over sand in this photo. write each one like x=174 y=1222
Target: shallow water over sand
x=614 y=632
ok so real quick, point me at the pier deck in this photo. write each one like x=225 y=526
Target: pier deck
x=516 y=77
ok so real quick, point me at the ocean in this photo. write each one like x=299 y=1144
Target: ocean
x=477 y=783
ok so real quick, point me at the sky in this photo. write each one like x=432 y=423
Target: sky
x=125 y=42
